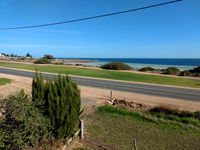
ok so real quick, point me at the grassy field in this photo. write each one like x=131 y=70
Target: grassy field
x=117 y=128
x=4 y=81
x=164 y=80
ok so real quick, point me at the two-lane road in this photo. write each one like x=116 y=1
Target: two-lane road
x=147 y=89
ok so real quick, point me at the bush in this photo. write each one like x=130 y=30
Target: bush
x=163 y=109
x=59 y=99
x=171 y=70
x=116 y=66
x=23 y=125
x=185 y=73
x=171 y=111
x=42 y=61
x=47 y=56
x=147 y=69
x=195 y=70
x=197 y=115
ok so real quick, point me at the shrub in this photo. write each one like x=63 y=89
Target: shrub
x=197 y=115
x=42 y=61
x=147 y=69
x=163 y=109
x=47 y=56
x=171 y=70
x=116 y=66
x=195 y=70
x=172 y=111
x=185 y=73
x=59 y=99
x=23 y=125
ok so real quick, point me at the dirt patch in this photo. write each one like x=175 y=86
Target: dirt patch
x=131 y=105
x=17 y=84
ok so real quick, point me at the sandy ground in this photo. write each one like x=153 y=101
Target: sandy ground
x=92 y=97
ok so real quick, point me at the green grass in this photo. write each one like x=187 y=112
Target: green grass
x=126 y=76
x=118 y=127
x=4 y=81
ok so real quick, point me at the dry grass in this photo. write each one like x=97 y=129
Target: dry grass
x=119 y=131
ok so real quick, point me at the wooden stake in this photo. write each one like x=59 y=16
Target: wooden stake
x=82 y=129
x=135 y=145
x=111 y=95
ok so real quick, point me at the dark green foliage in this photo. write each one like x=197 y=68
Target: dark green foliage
x=195 y=70
x=170 y=111
x=147 y=69
x=42 y=61
x=60 y=99
x=163 y=109
x=116 y=66
x=47 y=56
x=185 y=73
x=23 y=125
x=38 y=89
x=28 y=55
x=171 y=70
x=197 y=115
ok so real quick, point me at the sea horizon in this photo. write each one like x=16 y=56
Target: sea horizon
x=137 y=63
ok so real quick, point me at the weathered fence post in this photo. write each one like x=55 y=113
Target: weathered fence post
x=111 y=95
x=81 y=129
x=135 y=145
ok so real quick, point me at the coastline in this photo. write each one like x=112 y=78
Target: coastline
x=181 y=64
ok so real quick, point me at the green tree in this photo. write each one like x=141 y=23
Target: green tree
x=59 y=99
x=47 y=56
x=38 y=88
x=28 y=55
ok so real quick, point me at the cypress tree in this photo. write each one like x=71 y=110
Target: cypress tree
x=38 y=90
x=59 y=100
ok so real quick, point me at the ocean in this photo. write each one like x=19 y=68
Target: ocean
x=137 y=63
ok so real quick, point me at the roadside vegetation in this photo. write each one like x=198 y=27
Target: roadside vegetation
x=146 y=69
x=46 y=59
x=126 y=76
x=117 y=128
x=171 y=70
x=116 y=66
x=51 y=114
x=47 y=56
x=42 y=61
x=174 y=71
x=4 y=81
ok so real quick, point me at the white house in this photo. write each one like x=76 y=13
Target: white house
x=1 y=55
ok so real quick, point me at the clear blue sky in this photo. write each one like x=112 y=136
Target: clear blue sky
x=171 y=31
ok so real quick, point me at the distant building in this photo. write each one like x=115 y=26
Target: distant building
x=1 y=55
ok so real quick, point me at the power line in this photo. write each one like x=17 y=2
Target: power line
x=89 y=18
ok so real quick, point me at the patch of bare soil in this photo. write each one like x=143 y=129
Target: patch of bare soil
x=17 y=84
x=131 y=105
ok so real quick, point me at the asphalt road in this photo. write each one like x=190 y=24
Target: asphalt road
x=147 y=89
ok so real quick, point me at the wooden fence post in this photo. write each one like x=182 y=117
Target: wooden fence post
x=81 y=129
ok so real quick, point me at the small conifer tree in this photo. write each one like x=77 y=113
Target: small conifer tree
x=59 y=99
x=38 y=88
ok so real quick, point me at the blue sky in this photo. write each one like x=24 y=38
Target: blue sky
x=171 y=31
